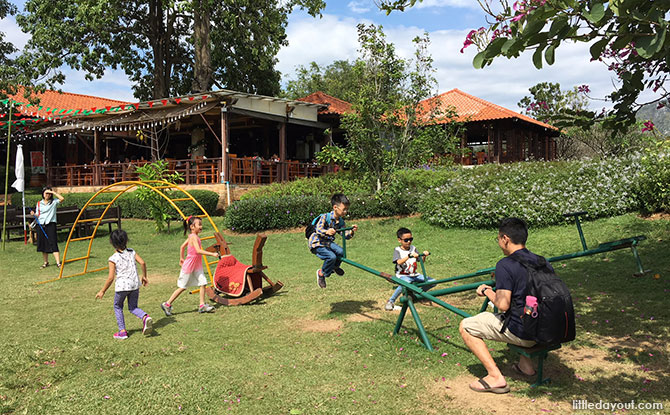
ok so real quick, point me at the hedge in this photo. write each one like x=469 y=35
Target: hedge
x=261 y=213
x=539 y=192
x=131 y=206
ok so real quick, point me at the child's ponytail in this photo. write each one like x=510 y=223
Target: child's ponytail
x=187 y=224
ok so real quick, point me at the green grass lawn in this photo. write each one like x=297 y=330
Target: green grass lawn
x=308 y=350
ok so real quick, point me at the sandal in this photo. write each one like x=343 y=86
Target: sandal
x=46 y=264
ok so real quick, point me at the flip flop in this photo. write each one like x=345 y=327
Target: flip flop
x=518 y=370
x=488 y=388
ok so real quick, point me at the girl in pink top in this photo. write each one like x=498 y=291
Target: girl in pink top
x=191 y=268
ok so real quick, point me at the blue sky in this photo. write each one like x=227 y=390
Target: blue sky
x=333 y=37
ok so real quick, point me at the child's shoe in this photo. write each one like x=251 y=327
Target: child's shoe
x=147 y=325
x=205 y=308
x=121 y=335
x=167 y=309
x=389 y=306
x=320 y=279
x=339 y=271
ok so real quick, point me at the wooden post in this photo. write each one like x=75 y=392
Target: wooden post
x=283 y=172
x=97 y=135
x=47 y=162
x=489 y=143
x=224 y=144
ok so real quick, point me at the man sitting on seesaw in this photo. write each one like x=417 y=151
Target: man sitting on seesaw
x=511 y=278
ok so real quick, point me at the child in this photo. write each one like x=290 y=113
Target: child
x=322 y=241
x=122 y=266
x=191 y=268
x=404 y=258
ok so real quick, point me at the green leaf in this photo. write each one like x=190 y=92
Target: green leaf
x=645 y=47
x=598 y=47
x=532 y=27
x=509 y=43
x=537 y=58
x=549 y=54
x=558 y=25
x=596 y=13
x=478 y=61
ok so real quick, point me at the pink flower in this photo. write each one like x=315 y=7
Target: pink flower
x=648 y=126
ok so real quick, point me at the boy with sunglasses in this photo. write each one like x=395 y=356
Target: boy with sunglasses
x=405 y=260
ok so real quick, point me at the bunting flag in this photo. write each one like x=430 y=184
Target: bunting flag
x=59 y=113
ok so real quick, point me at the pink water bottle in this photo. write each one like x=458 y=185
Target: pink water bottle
x=531 y=306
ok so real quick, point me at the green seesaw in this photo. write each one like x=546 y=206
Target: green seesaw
x=413 y=292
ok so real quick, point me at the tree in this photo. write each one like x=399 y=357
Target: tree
x=336 y=79
x=387 y=128
x=549 y=104
x=629 y=36
x=165 y=47
x=7 y=67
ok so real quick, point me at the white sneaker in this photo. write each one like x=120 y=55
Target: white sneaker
x=147 y=325
x=389 y=306
x=205 y=308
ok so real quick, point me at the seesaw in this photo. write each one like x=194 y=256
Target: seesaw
x=235 y=283
x=413 y=292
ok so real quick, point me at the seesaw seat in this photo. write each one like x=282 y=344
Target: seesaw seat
x=236 y=283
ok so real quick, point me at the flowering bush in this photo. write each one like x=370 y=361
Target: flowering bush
x=539 y=192
x=653 y=188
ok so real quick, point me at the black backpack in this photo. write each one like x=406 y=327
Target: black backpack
x=555 y=319
x=311 y=227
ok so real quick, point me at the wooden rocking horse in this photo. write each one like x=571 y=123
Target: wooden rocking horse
x=236 y=283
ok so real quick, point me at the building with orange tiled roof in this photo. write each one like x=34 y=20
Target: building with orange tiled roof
x=495 y=133
x=333 y=109
x=54 y=101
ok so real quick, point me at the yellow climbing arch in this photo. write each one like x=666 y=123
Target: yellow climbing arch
x=158 y=186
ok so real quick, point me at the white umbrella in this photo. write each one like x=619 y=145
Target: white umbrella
x=20 y=184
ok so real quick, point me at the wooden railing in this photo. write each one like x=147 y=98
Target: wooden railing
x=241 y=170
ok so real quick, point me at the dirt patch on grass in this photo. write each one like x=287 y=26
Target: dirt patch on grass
x=366 y=316
x=657 y=216
x=319 y=326
x=566 y=365
x=457 y=395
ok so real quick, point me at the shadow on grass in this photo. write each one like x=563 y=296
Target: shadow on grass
x=352 y=307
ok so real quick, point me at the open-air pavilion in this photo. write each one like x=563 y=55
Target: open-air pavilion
x=210 y=138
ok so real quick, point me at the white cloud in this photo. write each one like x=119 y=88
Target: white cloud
x=358 y=7
x=320 y=40
x=504 y=83
x=13 y=33
x=470 y=4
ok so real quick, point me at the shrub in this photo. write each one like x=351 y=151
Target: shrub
x=325 y=186
x=539 y=192
x=131 y=205
x=653 y=187
x=261 y=213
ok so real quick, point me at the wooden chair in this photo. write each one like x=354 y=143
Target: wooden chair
x=236 y=283
x=294 y=170
x=481 y=157
x=247 y=174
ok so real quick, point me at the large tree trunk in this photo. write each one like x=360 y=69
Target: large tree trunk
x=159 y=45
x=202 y=68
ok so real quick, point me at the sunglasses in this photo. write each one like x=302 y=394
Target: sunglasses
x=408 y=240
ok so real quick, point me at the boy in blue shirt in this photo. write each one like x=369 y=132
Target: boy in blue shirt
x=322 y=241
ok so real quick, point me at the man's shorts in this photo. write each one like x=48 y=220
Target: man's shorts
x=487 y=326
x=191 y=279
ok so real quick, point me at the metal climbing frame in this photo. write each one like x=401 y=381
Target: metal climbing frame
x=159 y=186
